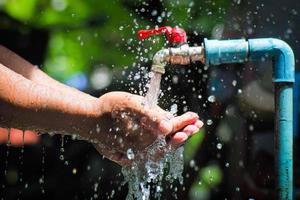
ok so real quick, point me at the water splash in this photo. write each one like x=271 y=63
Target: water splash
x=62 y=149
x=42 y=178
x=154 y=89
x=8 y=144
x=21 y=163
x=147 y=171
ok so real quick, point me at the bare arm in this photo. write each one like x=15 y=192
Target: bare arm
x=33 y=73
x=27 y=105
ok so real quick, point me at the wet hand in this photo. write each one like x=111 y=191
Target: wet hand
x=126 y=122
x=16 y=137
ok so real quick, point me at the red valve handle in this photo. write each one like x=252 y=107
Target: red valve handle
x=174 y=35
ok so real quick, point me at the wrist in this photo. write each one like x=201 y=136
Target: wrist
x=86 y=124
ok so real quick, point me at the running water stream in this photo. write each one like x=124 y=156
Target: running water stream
x=147 y=173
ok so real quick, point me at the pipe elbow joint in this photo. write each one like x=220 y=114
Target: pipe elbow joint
x=281 y=53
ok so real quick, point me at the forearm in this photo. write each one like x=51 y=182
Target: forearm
x=27 y=105
x=33 y=73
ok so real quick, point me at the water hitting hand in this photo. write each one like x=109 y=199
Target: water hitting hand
x=127 y=123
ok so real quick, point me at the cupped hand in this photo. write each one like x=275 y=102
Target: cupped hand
x=127 y=122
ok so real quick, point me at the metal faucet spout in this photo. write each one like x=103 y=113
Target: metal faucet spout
x=182 y=55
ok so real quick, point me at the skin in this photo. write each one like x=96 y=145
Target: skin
x=115 y=122
x=18 y=137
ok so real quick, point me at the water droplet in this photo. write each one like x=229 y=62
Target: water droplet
x=227 y=164
x=23 y=138
x=219 y=146
x=154 y=12
x=121 y=28
x=234 y=82
x=192 y=163
x=251 y=127
x=88 y=168
x=209 y=122
x=211 y=98
x=98 y=128
x=41 y=180
x=112 y=193
x=8 y=138
x=237 y=1
x=123 y=115
x=175 y=79
x=191 y=4
x=174 y=108
x=130 y=154
x=74 y=171
x=159 y=19
x=158 y=189
x=74 y=136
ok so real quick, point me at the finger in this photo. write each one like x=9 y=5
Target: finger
x=19 y=137
x=178 y=138
x=3 y=135
x=165 y=127
x=190 y=130
x=199 y=124
x=181 y=121
x=31 y=137
x=16 y=137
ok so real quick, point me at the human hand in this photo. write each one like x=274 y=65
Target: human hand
x=126 y=122
x=18 y=137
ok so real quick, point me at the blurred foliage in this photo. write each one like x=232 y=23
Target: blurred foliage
x=83 y=33
x=211 y=175
x=208 y=178
x=191 y=147
x=197 y=16
x=87 y=33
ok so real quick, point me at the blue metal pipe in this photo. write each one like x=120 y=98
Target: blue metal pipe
x=239 y=51
x=296 y=104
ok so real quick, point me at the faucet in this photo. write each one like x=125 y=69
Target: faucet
x=179 y=51
x=216 y=52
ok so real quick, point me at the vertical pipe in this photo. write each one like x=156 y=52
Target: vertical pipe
x=284 y=140
x=229 y=51
x=283 y=79
x=296 y=95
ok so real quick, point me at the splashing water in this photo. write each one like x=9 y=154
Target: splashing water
x=154 y=88
x=148 y=171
